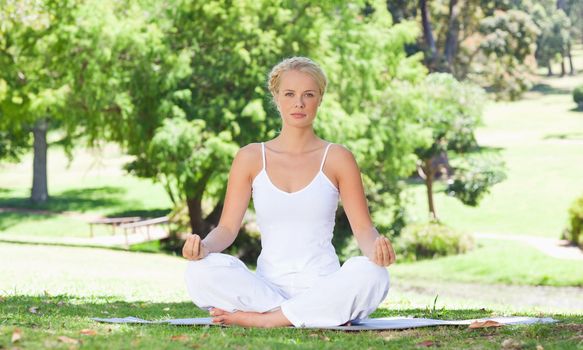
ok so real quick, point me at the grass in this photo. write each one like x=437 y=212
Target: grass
x=541 y=140
x=63 y=315
x=48 y=301
x=497 y=262
x=92 y=183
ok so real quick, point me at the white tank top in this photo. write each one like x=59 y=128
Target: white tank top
x=296 y=229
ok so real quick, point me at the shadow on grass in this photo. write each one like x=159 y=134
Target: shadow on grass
x=150 y=213
x=81 y=200
x=112 y=306
x=546 y=89
x=9 y=219
x=564 y=136
x=109 y=307
x=42 y=318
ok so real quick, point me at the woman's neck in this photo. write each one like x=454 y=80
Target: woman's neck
x=296 y=141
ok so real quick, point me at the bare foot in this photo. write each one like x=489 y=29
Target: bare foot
x=250 y=319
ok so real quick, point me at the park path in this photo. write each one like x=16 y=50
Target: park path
x=557 y=248
x=560 y=249
x=475 y=295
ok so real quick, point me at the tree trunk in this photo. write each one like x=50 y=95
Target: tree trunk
x=40 y=191
x=213 y=218
x=428 y=35
x=563 y=72
x=572 y=69
x=197 y=224
x=452 y=35
x=428 y=170
x=549 y=69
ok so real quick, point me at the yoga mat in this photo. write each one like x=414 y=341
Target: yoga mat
x=360 y=325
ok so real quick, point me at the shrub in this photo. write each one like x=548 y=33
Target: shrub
x=574 y=232
x=578 y=96
x=474 y=177
x=429 y=240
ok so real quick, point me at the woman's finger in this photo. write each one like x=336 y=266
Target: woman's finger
x=378 y=251
x=195 y=246
x=393 y=257
x=186 y=249
x=385 y=250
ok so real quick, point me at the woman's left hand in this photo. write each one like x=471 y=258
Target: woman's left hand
x=383 y=252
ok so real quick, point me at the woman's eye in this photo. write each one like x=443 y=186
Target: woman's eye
x=310 y=95
x=289 y=94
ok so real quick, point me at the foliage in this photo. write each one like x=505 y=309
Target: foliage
x=34 y=84
x=574 y=233
x=578 y=96
x=430 y=240
x=445 y=114
x=473 y=178
x=554 y=35
x=182 y=150
x=509 y=42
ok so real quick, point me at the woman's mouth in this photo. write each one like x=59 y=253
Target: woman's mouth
x=298 y=115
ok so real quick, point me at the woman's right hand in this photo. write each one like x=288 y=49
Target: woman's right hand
x=193 y=248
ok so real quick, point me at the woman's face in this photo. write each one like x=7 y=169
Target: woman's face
x=298 y=98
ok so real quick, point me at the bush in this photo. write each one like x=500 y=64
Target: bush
x=430 y=240
x=578 y=96
x=574 y=232
x=474 y=177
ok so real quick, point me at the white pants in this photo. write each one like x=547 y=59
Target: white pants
x=351 y=293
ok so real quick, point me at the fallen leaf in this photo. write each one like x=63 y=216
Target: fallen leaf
x=182 y=337
x=87 y=332
x=511 y=344
x=33 y=309
x=61 y=303
x=426 y=343
x=485 y=324
x=166 y=309
x=540 y=347
x=16 y=335
x=68 y=340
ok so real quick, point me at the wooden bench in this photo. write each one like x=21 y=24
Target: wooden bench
x=113 y=222
x=145 y=224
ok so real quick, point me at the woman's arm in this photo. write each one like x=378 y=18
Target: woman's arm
x=376 y=247
x=236 y=203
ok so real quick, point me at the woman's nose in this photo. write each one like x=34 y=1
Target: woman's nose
x=299 y=103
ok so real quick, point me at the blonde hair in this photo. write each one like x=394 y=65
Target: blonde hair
x=302 y=64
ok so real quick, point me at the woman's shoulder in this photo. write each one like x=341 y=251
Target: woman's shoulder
x=249 y=153
x=340 y=153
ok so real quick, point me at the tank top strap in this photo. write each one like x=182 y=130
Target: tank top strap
x=263 y=154
x=324 y=158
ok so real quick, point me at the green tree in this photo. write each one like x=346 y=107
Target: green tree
x=444 y=114
x=554 y=38
x=232 y=48
x=33 y=55
x=509 y=42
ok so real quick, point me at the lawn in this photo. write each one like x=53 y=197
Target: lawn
x=92 y=183
x=497 y=262
x=49 y=305
x=540 y=138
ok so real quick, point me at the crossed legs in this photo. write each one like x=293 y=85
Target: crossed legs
x=234 y=295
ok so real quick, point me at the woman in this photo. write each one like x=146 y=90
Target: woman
x=296 y=180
